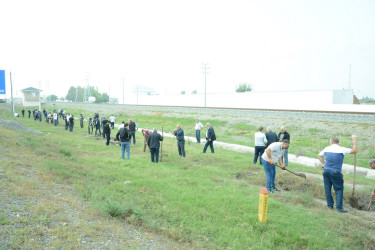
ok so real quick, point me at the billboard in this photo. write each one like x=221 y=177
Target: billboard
x=2 y=82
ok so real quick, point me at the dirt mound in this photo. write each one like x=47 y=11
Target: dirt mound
x=17 y=126
x=363 y=201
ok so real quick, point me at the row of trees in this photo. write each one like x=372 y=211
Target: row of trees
x=367 y=100
x=242 y=87
x=82 y=94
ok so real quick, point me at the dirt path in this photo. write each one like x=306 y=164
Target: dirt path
x=37 y=212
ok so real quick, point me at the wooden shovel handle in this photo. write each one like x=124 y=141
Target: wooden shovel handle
x=355 y=172
x=369 y=204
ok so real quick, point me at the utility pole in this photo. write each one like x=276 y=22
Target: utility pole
x=123 y=90
x=76 y=94
x=11 y=91
x=137 y=94
x=40 y=104
x=205 y=68
x=87 y=90
x=350 y=74
x=109 y=92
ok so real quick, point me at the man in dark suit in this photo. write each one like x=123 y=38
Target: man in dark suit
x=153 y=142
x=271 y=136
x=210 y=137
x=107 y=132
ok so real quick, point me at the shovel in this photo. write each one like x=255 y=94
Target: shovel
x=353 y=201
x=369 y=204
x=295 y=173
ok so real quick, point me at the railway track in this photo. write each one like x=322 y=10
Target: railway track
x=256 y=109
x=357 y=112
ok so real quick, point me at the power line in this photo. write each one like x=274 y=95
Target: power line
x=350 y=74
x=205 y=67
x=11 y=91
x=123 y=90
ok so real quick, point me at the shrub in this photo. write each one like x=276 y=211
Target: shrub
x=65 y=151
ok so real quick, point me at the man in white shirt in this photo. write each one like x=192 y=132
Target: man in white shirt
x=113 y=120
x=121 y=125
x=55 y=116
x=198 y=127
x=260 y=145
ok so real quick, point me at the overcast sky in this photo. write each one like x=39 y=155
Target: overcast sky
x=272 y=45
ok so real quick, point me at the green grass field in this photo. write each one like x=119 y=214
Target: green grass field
x=306 y=140
x=207 y=201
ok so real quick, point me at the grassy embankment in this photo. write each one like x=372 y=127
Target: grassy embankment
x=206 y=200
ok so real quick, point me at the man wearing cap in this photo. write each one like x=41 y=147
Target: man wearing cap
x=272 y=155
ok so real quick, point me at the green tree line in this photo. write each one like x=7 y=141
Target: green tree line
x=83 y=93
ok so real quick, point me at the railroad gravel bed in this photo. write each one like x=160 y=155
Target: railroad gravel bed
x=306 y=116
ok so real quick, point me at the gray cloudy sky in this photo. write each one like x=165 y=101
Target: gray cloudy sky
x=272 y=45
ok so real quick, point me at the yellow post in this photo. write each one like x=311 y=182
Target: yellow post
x=263 y=204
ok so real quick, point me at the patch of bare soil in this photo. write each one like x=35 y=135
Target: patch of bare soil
x=17 y=126
x=36 y=212
x=364 y=202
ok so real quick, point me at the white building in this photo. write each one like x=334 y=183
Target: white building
x=30 y=96
x=329 y=100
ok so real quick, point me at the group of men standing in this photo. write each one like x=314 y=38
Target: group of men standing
x=272 y=149
x=127 y=131
x=50 y=117
x=210 y=135
x=262 y=140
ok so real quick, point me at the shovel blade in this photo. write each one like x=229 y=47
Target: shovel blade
x=301 y=175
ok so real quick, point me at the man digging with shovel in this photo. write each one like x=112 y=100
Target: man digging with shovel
x=332 y=176
x=272 y=155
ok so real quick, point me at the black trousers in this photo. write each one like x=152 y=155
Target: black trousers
x=132 y=133
x=181 y=148
x=209 y=143
x=108 y=135
x=259 y=150
x=154 y=154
